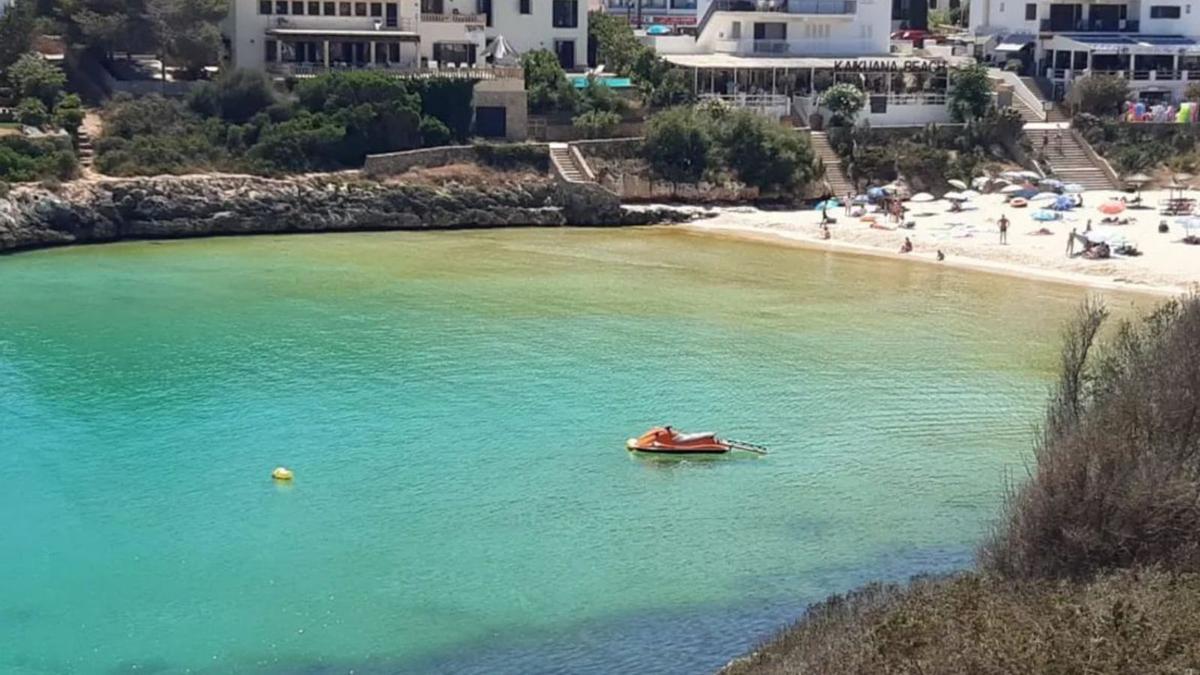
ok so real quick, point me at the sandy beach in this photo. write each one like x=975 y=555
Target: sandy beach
x=971 y=239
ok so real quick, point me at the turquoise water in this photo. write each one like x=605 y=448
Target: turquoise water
x=454 y=406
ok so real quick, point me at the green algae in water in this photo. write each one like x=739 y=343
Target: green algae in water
x=455 y=407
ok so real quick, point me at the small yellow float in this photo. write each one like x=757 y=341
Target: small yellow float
x=282 y=474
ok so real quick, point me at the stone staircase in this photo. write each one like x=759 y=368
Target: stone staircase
x=835 y=176
x=569 y=164
x=1067 y=158
x=87 y=154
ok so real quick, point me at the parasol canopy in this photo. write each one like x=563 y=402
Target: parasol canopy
x=501 y=52
x=1044 y=197
x=957 y=184
x=1112 y=208
x=1137 y=179
x=1072 y=188
x=921 y=197
x=828 y=204
x=1043 y=215
x=658 y=29
x=1063 y=203
x=955 y=196
x=1012 y=189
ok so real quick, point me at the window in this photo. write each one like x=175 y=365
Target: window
x=281 y=6
x=314 y=8
x=376 y=9
x=393 y=13
x=264 y=6
x=298 y=7
x=565 y=14
x=565 y=50
x=344 y=9
x=1031 y=11
x=272 y=50
x=432 y=7
x=360 y=9
x=1164 y=12
x=524 y=7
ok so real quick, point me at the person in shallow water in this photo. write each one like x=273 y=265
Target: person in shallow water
x=1003 y=229
x=940 y=256
x=907 y=246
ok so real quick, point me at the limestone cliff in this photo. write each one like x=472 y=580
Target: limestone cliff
x=192 y=206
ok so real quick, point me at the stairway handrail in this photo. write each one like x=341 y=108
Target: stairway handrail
x=1099 y=161
x=1021 y=91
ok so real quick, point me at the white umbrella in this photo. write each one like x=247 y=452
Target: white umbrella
x=954 y=196
x=971 y=194
x=1073 y=188
x=501 y=52
x=1012 y=189
x=1137 y=179
x=1044 y=196
x=1189 y=223
x=954 y=182
x=1030 y=175
x=921 y=197
x=979 y=182
x=1013 y=175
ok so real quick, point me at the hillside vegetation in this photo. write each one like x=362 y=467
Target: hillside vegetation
x=1094 y=564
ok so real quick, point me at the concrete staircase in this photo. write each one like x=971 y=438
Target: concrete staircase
x=835 y=176
x=1068 y=157
x=569 y=165
x=86 y=152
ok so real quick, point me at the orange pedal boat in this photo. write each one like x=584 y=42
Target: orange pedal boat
x=667 y=441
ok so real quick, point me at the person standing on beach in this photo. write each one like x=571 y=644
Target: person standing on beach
x=1071 y=243
x=1003 y=229
x=849 y=202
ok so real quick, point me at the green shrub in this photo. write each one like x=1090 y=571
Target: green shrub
x=599 y=97
x=32 y=112
x=69 y=114
x=509 y=156
x=32 y=159
x=433 y=132
x=597 y=123
x=449 y=101
x=235 y=96
x=679 y=144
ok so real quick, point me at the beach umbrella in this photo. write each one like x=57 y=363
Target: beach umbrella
x=1072 y=188
x=1044 y=215
x=1063 y=203
x=1138 y=179
x=921 y=197
x=1051 y=183
x=1012 y=189
x=828 y=204
x=1043 y=197
x=1013 y=175
x=861 y=199
x=1112 y=208
x=1097 y=236
x=954 y=196
x=1031 y=175
x=1182 y=177
x=957 y=184
x=501 y=52
x=1189 y=223
x=979 y=182
x=971 y=194
x=875 y=193
x=658 y=29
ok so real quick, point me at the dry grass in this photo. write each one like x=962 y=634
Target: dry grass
x=465 y=174
x=1144 y=623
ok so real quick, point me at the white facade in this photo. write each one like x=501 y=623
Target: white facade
x=1155 y=44
x=302 y=35
x=662 y=12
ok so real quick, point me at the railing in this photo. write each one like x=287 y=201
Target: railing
x=785 y=6
x=1090 y=26
x=315 y=24
x=769 y=105
x=479 y=19
x=748 y=47
x=408 y=70
x=1023 y=93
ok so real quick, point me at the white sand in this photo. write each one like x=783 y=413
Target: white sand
x=1167 y=265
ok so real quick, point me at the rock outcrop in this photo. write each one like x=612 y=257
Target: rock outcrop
x=193 y=206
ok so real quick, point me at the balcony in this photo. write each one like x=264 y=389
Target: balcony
x=469 y=19
x=317 y=25
x=747 y=47
x=1090 y=26
x=812 y=7
x=412 y=70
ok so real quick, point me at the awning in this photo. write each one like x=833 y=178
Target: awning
x=855 y=63
x=1015 y=42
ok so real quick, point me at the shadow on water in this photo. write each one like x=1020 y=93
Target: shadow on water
x=692 y=640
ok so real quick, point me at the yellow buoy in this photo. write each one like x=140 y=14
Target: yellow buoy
x=281 y=473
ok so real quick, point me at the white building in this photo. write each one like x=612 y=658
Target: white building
x=643 y=13
x=777 y=56
x=1152 y=43
x=301 y=36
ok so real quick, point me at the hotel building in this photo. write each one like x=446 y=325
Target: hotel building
x=1151 y=43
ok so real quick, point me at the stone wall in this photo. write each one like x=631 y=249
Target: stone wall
x=393 y=163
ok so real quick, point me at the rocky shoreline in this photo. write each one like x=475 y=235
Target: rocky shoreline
x=165 y=207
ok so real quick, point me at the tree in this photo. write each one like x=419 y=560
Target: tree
x=844 y=102
x=679 y=144
x=764 y=153
x=32 y=112
x=112 y=25
x=188 y=32
x=34 y=77
x=616 y=45
x=16 y=32
x=970 y=93
x=599 y=97
x=1192 y=93
x=235 y=96
x=546 y=83
x=1100 y=94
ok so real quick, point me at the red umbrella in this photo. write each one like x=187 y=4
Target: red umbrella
x=1112 y=208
